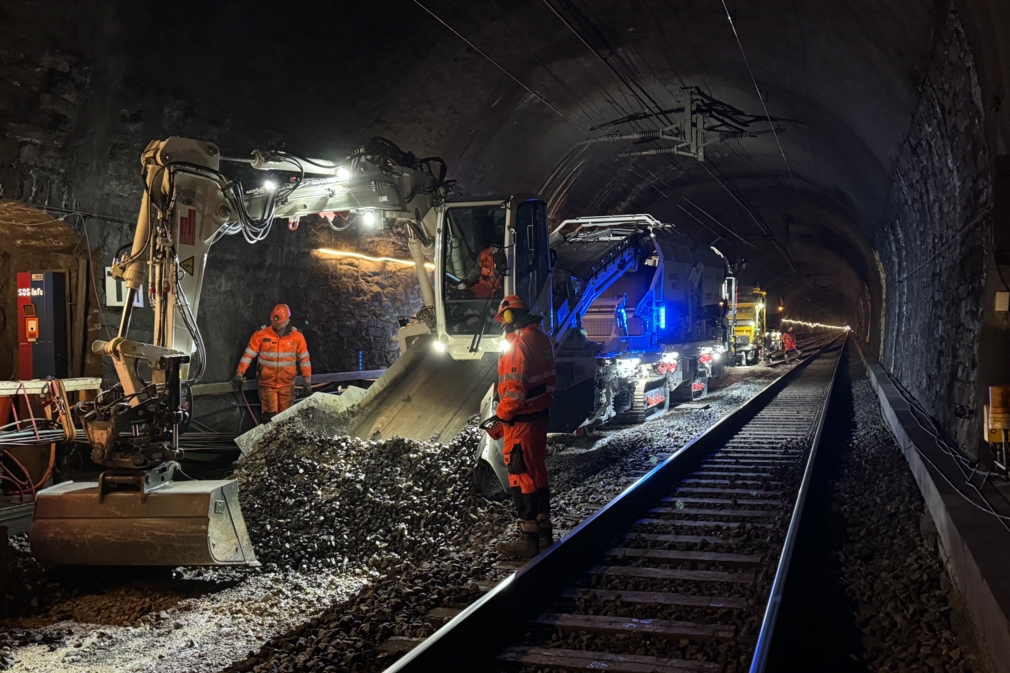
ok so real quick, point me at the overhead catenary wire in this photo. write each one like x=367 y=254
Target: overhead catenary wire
x=699 y=208
x=540 y=98
x=761 y=98
x=763 y=228
x=596 y=141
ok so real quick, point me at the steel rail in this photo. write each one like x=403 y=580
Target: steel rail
x=472 y=639
x=764 y=640
x=818 y=343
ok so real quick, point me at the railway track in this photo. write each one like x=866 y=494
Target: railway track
x=681 y=573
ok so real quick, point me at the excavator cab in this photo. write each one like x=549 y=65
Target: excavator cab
x=488 y=249
x=483 y=251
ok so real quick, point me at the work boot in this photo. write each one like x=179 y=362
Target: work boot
x=546 y=531
x=526 y=545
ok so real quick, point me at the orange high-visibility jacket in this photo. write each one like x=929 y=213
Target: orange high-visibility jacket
x=788 y=342
x=485 y=283
x=278 y=356
x=526 y=376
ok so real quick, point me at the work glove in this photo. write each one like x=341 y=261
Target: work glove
x=237 y=381
x=495 y=419
x=307 y=388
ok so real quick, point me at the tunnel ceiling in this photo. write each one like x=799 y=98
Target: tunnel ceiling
x=529 y=111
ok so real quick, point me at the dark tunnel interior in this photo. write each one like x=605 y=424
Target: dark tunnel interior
x=848 y=157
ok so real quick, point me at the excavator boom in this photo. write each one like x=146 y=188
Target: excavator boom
x=136 y=513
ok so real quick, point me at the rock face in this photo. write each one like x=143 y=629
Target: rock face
x=71 y=135
x=5 y=559
x=932 y=241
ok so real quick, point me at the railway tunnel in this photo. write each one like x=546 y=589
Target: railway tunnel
x=848 y=160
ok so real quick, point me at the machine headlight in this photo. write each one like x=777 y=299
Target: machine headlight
x=504 y=345
x=671 y=356
x=269 y=186
x=368 y=218
x=343 y=175
x=716 y=356
x=626 y=366
x=439 y=346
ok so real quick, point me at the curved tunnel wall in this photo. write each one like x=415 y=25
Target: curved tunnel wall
x=887 y=126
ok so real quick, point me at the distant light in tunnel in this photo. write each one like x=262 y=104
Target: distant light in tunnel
x=816 y=324
x=370 y=258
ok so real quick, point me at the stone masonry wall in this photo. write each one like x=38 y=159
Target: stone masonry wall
x=932 y=242
x=71 y=134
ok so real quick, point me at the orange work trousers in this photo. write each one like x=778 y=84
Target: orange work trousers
x=276 y=400
x=526 y=454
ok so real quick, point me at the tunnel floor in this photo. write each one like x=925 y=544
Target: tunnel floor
x=352 y=617
x=868 y=590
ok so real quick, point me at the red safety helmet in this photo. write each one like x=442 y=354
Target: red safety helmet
x=280 y=313
x=510 y=303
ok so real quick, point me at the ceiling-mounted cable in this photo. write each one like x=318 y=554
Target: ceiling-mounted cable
x=760 y=97
x=596 y=52
x=540 y=98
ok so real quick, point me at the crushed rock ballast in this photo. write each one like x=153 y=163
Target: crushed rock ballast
x=310 y=500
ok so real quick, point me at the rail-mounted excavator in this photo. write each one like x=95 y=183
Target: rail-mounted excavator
x=137 y=513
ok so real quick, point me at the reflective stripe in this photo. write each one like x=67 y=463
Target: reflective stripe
x=250 y=352
x=277 y=365
x=514 y=395
x=273 y=354
x=245 y=359
x=306 y=365
x=512 y=377
x=304 y=354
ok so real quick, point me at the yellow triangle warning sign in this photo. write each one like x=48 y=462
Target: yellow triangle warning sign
x=188 y=265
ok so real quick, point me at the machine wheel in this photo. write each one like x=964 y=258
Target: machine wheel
x=752 y=357
x=485 y=482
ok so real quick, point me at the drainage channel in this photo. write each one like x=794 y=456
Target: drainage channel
x=681 y=573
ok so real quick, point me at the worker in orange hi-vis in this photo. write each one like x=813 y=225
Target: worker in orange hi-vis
x=789 y=343
x=486 y=277
x=526 y=384
x=279 y=349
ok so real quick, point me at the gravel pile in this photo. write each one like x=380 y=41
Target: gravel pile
x=300 y=497
x=314 y=501
x=905 y=609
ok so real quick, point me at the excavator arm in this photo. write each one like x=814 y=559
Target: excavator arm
x=136 y=513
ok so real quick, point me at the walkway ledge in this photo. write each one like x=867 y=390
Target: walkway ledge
x=974 y=546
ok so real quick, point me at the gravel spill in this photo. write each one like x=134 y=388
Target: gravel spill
x=359 y=542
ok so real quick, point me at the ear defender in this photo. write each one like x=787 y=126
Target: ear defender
x=507 y=316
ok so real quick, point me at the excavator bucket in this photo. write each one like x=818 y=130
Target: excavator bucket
x=425 y=395
x=180 y=523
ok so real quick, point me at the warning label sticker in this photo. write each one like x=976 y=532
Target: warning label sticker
x=188 y=265
x=187 y=227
